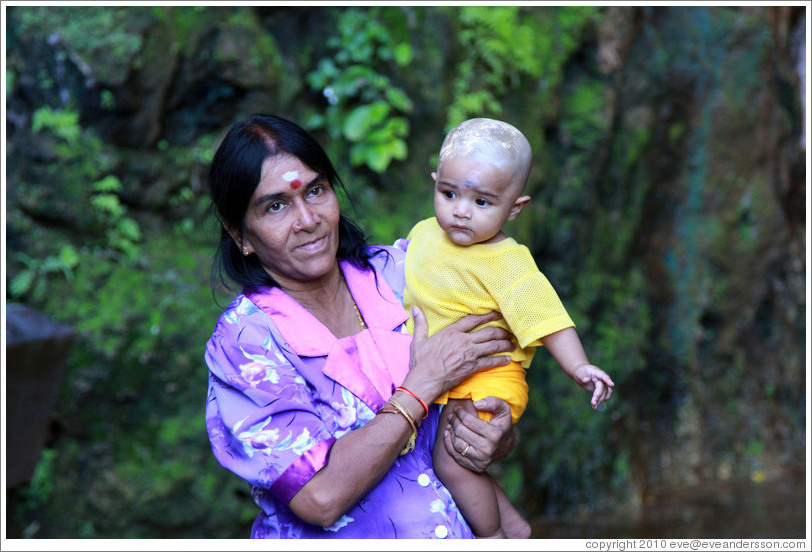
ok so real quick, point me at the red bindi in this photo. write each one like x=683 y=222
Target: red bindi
x=295 y=184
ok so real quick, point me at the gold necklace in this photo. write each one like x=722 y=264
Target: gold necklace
x=354 y=305
x=358 y=314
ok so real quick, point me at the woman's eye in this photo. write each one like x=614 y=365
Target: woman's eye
x=275 y=207
x=316 y=191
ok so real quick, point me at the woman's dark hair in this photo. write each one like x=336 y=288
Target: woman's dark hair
x=234 y=175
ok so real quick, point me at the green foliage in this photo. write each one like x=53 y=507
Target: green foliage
x=106 y=215
x=141 y=311
x=11 y=76
x=138 y=358
x=109 y=37
x=501 y=45
x=116 y=242
x=64 y=124
x=34 y=275
x=123 y=233
x=363 y=104
x=41 y=488
x=583 y=114
x=184 y=23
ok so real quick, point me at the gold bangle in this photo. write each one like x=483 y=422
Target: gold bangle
x=418 y=399
x=400 y=405
x=399 y=409
x=409 y=447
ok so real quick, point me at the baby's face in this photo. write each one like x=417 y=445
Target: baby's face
x=473 y=199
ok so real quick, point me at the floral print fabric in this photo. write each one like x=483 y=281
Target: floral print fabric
x=282 y=389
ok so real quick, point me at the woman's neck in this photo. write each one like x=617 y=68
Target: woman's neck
x=315 y=293
x=330 y=301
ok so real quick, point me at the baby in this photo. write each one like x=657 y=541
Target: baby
x=461 y=262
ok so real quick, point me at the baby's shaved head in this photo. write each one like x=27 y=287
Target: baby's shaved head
x=495 y=142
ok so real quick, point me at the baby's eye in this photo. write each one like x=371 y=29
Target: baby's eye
x=482 y=202
x=449 y=194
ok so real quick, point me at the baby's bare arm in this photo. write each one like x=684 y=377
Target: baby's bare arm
x=567 y=350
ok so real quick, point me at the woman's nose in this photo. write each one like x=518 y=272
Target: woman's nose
x=306 y=218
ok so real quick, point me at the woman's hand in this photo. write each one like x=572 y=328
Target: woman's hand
x=440 y=362
x=482 y=442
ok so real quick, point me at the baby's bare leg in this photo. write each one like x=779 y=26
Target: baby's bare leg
x=514 y=525
x=473 y=492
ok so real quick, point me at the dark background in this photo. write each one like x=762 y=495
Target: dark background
x=669 y=210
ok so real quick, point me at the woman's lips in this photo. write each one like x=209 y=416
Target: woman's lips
x=313 y=245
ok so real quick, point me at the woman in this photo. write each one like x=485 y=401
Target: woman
x=317 y=395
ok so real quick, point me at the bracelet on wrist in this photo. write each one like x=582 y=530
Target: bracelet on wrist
x=394 y=406
x=418 y=399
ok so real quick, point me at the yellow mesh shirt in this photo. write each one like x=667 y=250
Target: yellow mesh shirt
x=448 y=281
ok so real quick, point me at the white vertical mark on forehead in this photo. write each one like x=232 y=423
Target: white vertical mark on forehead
x=290 y=176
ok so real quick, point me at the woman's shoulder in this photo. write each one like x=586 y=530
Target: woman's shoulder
x=388 y=261
x=240 y=319
x=382 y=255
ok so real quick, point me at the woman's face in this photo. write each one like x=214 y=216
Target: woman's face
x=291 y=223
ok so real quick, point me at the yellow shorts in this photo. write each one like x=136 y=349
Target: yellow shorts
x=505 y=382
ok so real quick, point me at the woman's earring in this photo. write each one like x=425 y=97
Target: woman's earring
x=244 y=250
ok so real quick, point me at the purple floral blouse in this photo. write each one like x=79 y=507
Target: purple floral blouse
x=282 y=389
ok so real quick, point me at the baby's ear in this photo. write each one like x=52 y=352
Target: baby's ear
x=434 y=177
x=518 y=205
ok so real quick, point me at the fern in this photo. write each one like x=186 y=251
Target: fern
x=507 y=43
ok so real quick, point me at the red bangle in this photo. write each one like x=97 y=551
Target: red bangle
x=418 y=399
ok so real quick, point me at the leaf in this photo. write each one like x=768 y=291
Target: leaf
x=21 y=283
x=129 y=229
x=399 y=149
x=51 y=264
x=314 y=121
x=109 y=183
x=359 y=154
x=402 y=54
x=363 y=118
x=64 y=124
x=399 y=99
x=379 y=158
x=395 y=127
x=108 y=203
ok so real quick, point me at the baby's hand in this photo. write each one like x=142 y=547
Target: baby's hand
x=594 y=379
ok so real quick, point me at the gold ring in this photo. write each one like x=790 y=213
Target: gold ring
x=463 y=453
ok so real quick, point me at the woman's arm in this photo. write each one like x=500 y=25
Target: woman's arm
x=359 y=459
x=357 y=462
